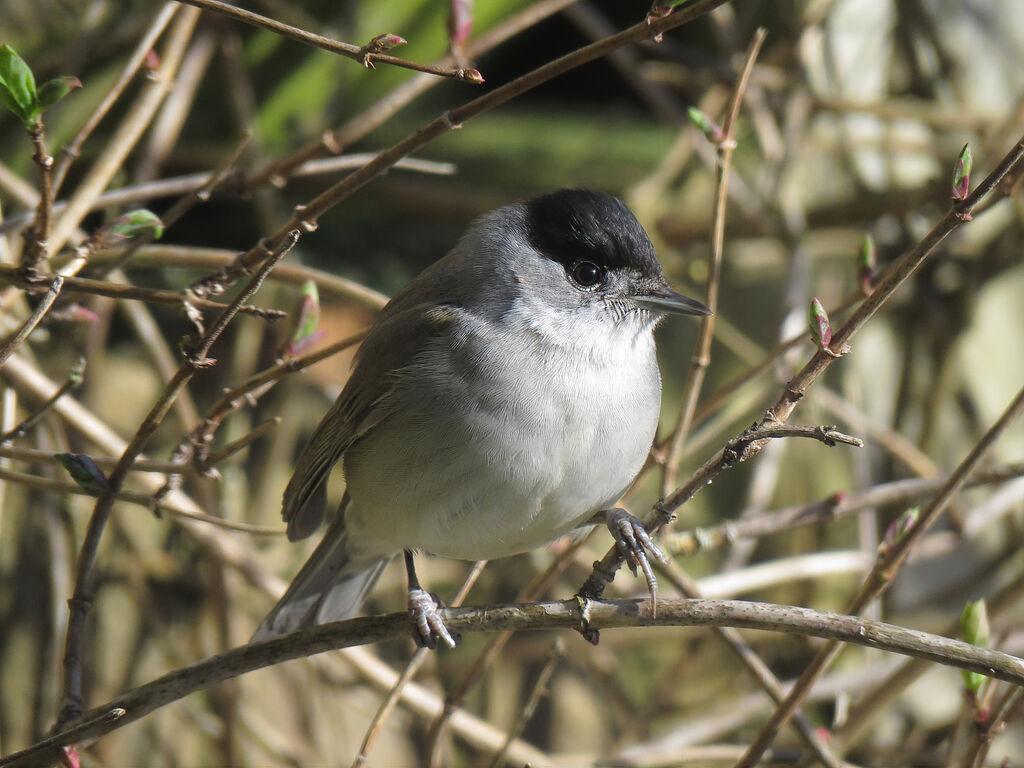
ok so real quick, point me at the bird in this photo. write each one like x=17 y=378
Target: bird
x=507 y=396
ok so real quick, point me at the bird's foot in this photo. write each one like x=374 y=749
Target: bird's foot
x=427 y=621
x=633 y=543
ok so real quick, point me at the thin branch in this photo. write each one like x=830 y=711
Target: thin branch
x=162 y=256
x=73 y=381
x=735 y=451
x=754 y=665
x=304 y=217
x=72 y=150
x=34 y=456
x=140 y=499
x=36 y=245
x=81 y=602
x=882 y=575
x=75 y=284
x=124 y=138
x=422 y=654
x=569 y=614
x=34 y=319
x=235 y=446
x=201 y=185
x=194 y=447
x=836 y=506
x=362 y=54
x=540 y=688
x=796 y=388
x=702 y=352
x=355 y=128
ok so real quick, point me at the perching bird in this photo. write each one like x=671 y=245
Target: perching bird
x=507 y=396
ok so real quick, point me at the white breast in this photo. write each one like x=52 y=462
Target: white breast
x=497 y=441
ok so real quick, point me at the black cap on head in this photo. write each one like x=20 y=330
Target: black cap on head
x=573 y=224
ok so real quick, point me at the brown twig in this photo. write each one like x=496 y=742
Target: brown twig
x=540 y=688
x=73 y=381
x=161 y=296
x=735 y=451
x=35 y=456
x=72 y=150
x=34 y=319
x=124 y=138
x=535 y=589
x=754 y=665
x=81 y=601
x=702 y=352
x=884 y=572
x=569 y=614
x=363 y=54
x=36 y=246
x=199 y=187
x=839 y=505
x=194 y=447
x=140 y=499
x=334 y=142
x=422 y=654
x=304 y=217
x=604 y=570
x=254 y=434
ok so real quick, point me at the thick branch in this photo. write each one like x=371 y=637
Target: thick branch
x=568 y=614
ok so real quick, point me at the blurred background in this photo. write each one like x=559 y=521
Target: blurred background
x=855 y=113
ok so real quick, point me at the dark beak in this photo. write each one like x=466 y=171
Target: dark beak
x=665 y=301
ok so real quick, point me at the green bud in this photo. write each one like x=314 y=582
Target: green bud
x=962 y=173
x=56 y=89
x=821 y=330
x=712 y=132
x=135 y=223
x=974 y=628
x=307 y=331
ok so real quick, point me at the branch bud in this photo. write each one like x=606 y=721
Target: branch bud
x=962 y=174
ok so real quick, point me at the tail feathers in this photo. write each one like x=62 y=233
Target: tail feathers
x=328 y=588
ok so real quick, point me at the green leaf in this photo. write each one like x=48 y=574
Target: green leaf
x=17 y=84
x=56 y=89
x=135 y=223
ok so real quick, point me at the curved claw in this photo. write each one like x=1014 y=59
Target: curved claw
x=633 y=543
x=427 y=620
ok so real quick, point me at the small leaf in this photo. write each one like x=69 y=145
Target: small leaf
x=17 y=84
x=975 y=630
x=84 y=472
x=711 y=130
x=821 y=330
x=133 y=224
x=306 y=327
x=56 y=89
x=962 y=173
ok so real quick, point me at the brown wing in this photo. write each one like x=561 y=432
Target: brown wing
x=392 y=343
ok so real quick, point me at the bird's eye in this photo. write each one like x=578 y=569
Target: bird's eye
x=586 y=273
